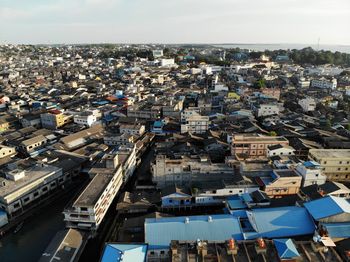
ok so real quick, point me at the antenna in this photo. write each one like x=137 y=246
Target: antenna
x=318 y=44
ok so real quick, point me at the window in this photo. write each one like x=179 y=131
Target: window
x=325 y=162
x=162 y=252
x=16 y=205
x=170 y=201
x=44 y=189
x=26 y=199
x=340 y=162
x=339 y=168
x=36 y=194
x=83 y=209
x=214 y=191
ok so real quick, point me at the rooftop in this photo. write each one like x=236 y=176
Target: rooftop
x=330 y=153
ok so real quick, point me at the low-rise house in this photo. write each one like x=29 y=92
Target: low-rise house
x=307 y=104
x=329 y=209
x=55 y=119
x=33 y=144
x=174 y=196
x=280 y=150
x=311 y=172
x=132 y=129
x=31 y=120
x=280 y=182
x=6 y=151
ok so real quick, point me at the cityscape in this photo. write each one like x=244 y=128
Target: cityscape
x=189 y=150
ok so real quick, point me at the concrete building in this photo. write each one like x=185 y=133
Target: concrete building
x=132 y=129
x=7 y=151
x=324 y=83
x=311 y=172
x=55 y=119
x=24 y=183
x=89 y=209
x=184 y=170
x=254 y=146
x=335 y=163
x=193 y=122
x=167 y=62
x=261 y=110
x=279 y=150
x=307 y=104
x=280 y=182
x=86 y=118
x=33 y=144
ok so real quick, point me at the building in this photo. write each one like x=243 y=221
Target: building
x=261 y=110
x=185 y=170
x=193 y=122
x=157 y=53
x=329 y=209
x=280 y=150
x=86 y=118
x=26 y=183
x=6 y=151
x=167 y=62
x=324 y=83
x=307 y=104
x=254 y=146
x=335 y=163
x=33 y=144
x=259 y=222
x=89 y=209
x=132 y=129
x=124 y=252
x=55 y=119
x=173 y=196
x=286 y=250
x=311 y=173
x=280 y=182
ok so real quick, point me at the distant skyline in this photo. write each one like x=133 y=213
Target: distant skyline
x=175 y=21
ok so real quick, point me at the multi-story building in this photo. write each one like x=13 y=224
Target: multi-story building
x=261 y=110
x=54 y=119
x=280 y=182
x=193 y=122
x=307 y=104
x=183 y=170
x=86 y=118
x=132 y=129
x=324 y=83
x=335 y=163
x=311 y=172
x=25 y=183
x=280 y=150
x=33 y=144
x=254 y=146
x=89 y=209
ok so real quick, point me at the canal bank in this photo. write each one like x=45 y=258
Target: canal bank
x=37 y=231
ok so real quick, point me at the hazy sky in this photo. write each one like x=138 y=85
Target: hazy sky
x=175 y=21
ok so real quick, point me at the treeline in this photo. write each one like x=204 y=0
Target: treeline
x=303 y=56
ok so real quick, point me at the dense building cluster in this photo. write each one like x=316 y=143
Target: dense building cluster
x=247 y=160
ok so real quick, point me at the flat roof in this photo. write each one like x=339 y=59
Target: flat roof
x=93 y=191
x=330 y=153
x=64 y=246
x=32 y=175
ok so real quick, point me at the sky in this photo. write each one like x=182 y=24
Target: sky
x=174 y=21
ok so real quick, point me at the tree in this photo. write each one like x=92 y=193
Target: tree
x=272 y=133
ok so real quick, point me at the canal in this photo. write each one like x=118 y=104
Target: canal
x=37 y=231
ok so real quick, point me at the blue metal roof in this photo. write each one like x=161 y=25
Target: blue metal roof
x=338 y=230
x=236 y=204
x=327 y=206
x=279 y=222
x=310 y=164
x=286 y=248
x=160 y=232
x=124 y=252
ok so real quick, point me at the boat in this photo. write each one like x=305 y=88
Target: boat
x=18 y=227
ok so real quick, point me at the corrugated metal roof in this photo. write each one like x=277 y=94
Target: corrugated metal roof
x=338 y=230
x=327 y=206
x=286 y=248
x=280 y=222
x=124 y=252
x=160 y=232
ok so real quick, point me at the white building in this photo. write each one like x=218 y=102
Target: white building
x=266 y=110
x=193 y=122
x=157 y=53
x=307 y=104
x=89 y=209
x=132 y=129
x=324 y=83
x=280 y=150
x=21 y=187
x=167 y=62
x=311 y=172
